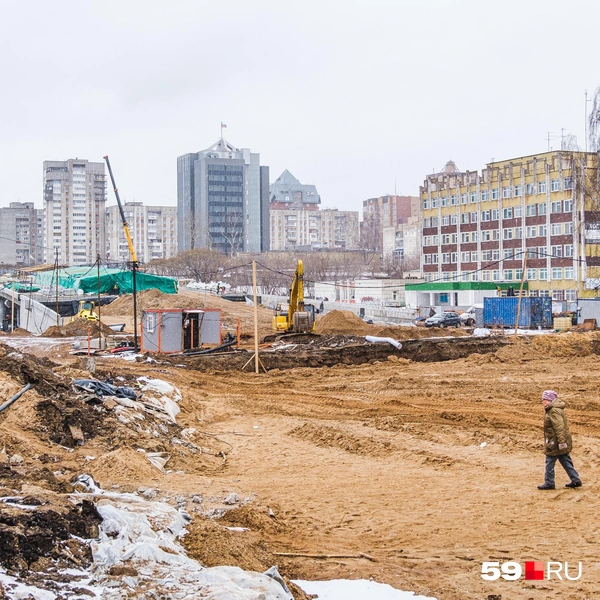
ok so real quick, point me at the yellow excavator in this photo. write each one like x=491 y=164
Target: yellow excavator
x=86 y=310
x=296 y=317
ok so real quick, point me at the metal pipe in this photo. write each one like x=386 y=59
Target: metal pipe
x=15 y=397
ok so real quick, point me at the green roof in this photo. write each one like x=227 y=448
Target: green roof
x=446 y=286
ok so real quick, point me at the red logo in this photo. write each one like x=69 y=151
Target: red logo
x=534 y=570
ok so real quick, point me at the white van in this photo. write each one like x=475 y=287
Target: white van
x=468 y=317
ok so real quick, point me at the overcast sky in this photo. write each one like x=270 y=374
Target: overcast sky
x=356 y=97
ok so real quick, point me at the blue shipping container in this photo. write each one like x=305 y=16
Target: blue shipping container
x=502 y=312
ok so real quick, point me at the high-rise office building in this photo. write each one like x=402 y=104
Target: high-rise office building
x=223 y=200
x=153 y=231
x=75 y=215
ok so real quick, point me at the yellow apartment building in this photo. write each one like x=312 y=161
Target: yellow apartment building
x=533 y=220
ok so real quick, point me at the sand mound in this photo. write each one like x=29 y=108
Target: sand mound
x=346 y=322
x=342 y=321
x=78 y=327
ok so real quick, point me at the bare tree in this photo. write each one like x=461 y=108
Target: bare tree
x=233 y=233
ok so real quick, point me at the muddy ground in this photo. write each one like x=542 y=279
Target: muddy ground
x=347 y=460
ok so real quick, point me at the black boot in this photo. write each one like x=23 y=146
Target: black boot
x=573 y=484
x=546 y=486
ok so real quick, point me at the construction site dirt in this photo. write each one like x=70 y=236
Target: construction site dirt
x=344 y=459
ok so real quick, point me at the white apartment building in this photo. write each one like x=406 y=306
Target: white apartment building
x=153 y=230
x=330 y=229
x=74 y=205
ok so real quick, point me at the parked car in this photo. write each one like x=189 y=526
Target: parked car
x=446 y=319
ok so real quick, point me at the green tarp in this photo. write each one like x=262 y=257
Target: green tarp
x=112 y=281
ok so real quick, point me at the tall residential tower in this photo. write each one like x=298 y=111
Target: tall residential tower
x=74 y=202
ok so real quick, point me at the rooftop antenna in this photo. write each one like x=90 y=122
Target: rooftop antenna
x=586 y=120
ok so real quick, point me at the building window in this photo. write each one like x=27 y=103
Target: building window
x=473 y=197
x=485 y=196
x=444 y=200
x=464 y=238
x=454 y=238
x=495 y=254
x=436 y=240
x=446 y=258
x=427 y=240
x=464 y=217
x=496 y=275
x=485 y=215
x=465 y=256
x=427 y=259
x=541 y=187
x=518 y=233
x=542 y=230
x=518 y=212
x=474 y=236
x=531 y=231
x=568 y=206
x=557 y=295
x=568 y=250
x=474 y=257
x=569 y=273
x=485 y=276
x=473 y=217
x=445 y=220
x=507 y=213
x=508 y=253
x=434 y=221
x=426 y=204
x=556 y=207
x=495 y=194
x=486 y=255
x=453 y=200
x=556 y=228
x=475 y=276
x=530 y=210
x=529 y=189
x=555 y=185
x=453 y=257
x=570 y=295
x=445 y=238
x=463 y=198
x=465 y=277
x=434 y=258
x=542 y=208
x=518 y=191
x=568 y=183
x=506 y=192
x=556 y=251
x=434 y=202
x=557 y=273
x=427 y=222
x=495 y=234
x=508 y=274
x=531 y=274
x=495 y=214
x=485 y=235
x=544 y=293
x=518 y=274
x=568 y=228
x=453 y=219
x=507 y=234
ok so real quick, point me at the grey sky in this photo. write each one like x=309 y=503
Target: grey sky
x=349 y=96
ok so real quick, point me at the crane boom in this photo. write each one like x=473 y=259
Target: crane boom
x=123 y=219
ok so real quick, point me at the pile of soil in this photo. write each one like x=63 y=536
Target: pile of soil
x=78 y=327
x=346 y=322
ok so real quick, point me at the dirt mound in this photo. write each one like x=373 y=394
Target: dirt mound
x=78 y=327
x=342 y=321
x=328 y=437
x=346 y=322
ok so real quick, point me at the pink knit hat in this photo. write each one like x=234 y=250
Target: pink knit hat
x=549 y=395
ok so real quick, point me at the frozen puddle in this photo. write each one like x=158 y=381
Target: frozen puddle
x=359 y=589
